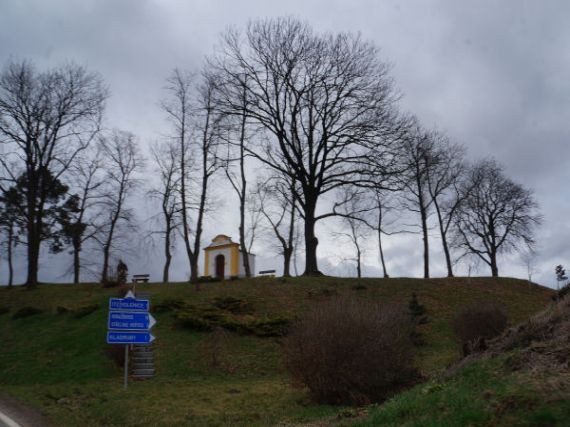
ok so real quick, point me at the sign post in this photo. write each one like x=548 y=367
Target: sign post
x=129 y=323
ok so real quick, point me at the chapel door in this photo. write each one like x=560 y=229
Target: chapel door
x=220 y=264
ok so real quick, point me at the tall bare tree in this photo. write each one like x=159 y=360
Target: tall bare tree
x=417 y=149
x=237 y=125
x=178 y=108
x=46 y=119
x=85 y=223
x=197 y=126
x=122 y=161
x=167 y=191
x=383 y=207
x=325 y=103
x=445 y=169
x=496 y=215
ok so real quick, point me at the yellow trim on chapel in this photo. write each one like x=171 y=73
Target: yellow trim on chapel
x=207 y=263
x=234 y=269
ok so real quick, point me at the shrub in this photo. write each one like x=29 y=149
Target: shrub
x=85 y=310
x=206 y=319
x=477 y=323
x=270 y=327
x=417 y=315
x=4 y=310
x=168 y=305
x=349 y=351
x=562 y=292
x=26 y=312
x=416 y=309
x=233 y=305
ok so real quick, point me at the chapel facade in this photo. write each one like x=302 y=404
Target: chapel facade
x=223 y=259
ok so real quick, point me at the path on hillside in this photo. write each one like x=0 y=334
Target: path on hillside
x=17 y=414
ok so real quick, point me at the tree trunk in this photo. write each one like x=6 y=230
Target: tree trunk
x=76 y=261
x=287 y=253
x=33 y=236
x=447 y=256
x=242 y=197
x=10 y=263
x=33 y=258
x=311 y=241
x=168 y=255
x=358 y=265
x=423 y=214
x=444 y=240
x=105 y=271
x=380 y=249
x=382 y=260
x=194 y=271
x=494 y=267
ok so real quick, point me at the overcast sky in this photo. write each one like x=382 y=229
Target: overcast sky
x=494 y=75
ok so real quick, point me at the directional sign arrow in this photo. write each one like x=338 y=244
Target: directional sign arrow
x=129 y=337
x=130 y=321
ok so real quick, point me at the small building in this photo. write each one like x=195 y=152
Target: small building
x=224 y=258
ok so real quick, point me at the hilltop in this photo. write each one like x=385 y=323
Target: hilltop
x=55 y=359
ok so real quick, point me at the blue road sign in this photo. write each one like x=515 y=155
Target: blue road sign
x=130 y=321
x=129 y=304
x=129 y=337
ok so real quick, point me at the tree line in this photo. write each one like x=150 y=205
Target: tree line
x=303 y=127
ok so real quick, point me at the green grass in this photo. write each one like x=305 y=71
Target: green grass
x=57 y=362
x=486 y=393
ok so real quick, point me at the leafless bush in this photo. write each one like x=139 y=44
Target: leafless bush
x=350 y=351
x=477 y=323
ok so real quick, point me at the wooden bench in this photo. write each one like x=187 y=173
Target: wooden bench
x=141 y=278
x=267 y=273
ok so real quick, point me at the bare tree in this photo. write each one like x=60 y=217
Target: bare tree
x=496 y=215
x=237 y=125
x=529 y=259
x=277 y=205
x=122 y=161
x=167 y=191
x=382 y=207
x=445 y=168
x=85 y=222
x=178 y=108
x=355 y=207
x=197 y=126
x=324 y=102
x=417 y=149
x=46 y=119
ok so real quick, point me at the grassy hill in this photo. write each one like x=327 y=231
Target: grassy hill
x=56 y=359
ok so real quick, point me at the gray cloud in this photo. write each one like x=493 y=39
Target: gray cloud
x=494 y=75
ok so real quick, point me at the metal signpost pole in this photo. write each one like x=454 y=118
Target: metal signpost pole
x=126 y=365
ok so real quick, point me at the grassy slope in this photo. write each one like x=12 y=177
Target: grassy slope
x=56 y=361
x=486 y=393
